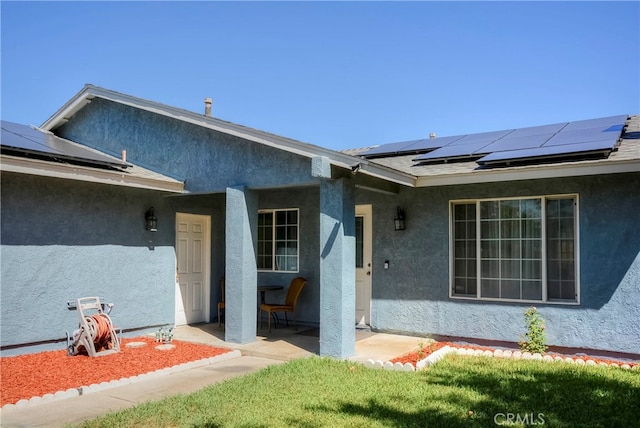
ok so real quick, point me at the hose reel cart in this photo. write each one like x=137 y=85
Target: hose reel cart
x=95 y=334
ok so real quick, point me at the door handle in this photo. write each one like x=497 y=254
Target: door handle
x=369 y=272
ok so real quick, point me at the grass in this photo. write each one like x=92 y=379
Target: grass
x=459 y=391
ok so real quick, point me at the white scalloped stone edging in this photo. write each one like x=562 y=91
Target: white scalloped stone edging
x=434 y=357
x=497 y=353
x=388 y=365
x=82 y=390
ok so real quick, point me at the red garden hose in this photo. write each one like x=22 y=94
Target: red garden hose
x=100 y=333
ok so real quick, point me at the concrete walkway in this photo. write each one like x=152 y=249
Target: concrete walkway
x=282 y=344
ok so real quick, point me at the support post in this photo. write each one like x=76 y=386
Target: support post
x=241 y=274
x=337 y=269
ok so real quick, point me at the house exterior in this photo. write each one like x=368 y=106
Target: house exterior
x=481 y=242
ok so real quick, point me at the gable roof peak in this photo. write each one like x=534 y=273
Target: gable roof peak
x=342 y=160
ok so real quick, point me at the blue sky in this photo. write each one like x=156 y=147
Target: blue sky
x=335 y=74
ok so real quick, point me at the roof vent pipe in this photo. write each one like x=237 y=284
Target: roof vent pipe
x=207 y=106
x=432 y=135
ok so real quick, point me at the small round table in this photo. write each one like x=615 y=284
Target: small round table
x=264 y=288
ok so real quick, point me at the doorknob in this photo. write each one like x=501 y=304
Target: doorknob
x=368 y=272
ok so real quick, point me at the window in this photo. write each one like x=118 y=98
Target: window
x=515 y=249
x=278 y=240
x=359 y=241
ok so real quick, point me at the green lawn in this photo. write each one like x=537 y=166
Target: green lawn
x=458 y=391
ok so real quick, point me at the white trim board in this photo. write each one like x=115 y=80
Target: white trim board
x=81 y=173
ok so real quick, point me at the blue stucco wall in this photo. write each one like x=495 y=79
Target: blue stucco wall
x=241 y=269
x=412 y=295
x=337 y=269
x=307 y=200
x=64 y=239
x=209 y=161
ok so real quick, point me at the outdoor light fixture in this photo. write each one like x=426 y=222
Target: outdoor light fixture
x=398 y=221
x=151 y=220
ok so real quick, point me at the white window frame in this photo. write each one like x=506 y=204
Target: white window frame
x=545 y=299
x=274 y=254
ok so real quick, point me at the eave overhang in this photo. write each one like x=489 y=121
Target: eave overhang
x=534 y=172
x=81 y=173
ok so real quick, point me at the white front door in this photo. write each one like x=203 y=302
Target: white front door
x=192 y=257
x=363 y=264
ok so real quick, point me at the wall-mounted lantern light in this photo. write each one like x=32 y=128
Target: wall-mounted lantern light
x=398 y=221
x=151 y=221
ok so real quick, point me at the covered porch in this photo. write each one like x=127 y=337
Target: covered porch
x=321 y=249
x=325 y=240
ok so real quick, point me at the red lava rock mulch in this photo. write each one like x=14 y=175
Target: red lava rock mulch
x=32 y=375
x=414 y=357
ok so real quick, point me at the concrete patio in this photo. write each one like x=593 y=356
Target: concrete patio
x=286 y=343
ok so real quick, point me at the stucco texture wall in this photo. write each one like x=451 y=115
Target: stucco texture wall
x=64 y=239
x=209 y=161
x=413 y=294
x=307 y=200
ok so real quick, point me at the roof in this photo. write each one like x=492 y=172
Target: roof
x=29 y=150
x=336 y=158
x=29 y=141
x=401 y=169
x=625 y=159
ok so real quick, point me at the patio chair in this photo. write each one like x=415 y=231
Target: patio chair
x=221 y=304
x=289 y=306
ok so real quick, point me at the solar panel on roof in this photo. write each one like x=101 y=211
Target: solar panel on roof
x=566 y=140
x=611 y=123
x=433 y=143
x=423 y=145
x=463 y=146
x=518 y=143
x=24 y=139
x=603 y=147
x=483 y=137
x=452 y=152
x=582 y=136
x=537 y=130
x=24 y=130
x=406 y=147
x=570 y=139
x=10 y=139
x=389 y=148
